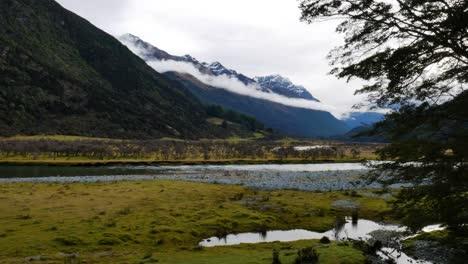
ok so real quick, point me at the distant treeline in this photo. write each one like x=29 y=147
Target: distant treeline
x=236 y=117
x=166 y=150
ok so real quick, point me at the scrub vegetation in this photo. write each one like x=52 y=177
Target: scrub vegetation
x=83 y=150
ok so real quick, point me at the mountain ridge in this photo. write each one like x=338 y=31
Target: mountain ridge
x=294 y=121
x=270 y=84
x=62 y=75
x=283 y=86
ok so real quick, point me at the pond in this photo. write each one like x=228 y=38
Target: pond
x=357 y=229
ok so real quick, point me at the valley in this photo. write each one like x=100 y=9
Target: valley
x=114 y=150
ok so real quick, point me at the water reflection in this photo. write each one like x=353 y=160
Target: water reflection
x=340 y=223
x=355 y=218
x=345 y=229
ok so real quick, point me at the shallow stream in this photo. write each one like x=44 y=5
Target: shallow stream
x=359 y=229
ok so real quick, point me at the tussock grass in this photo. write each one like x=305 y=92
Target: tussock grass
x=123 y=222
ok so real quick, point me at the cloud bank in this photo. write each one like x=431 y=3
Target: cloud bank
x=243 y=34
x=235 y=86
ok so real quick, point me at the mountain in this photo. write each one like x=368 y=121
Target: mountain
x=59 y=74
x=294 y=121
x=270 y=84
x=358 y=119
x=149 y=52
x=359 y=134
x=283 y=86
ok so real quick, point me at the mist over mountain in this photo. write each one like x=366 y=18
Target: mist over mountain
x=293 y=121
x=357 y=119
x=273 y=100
x=272 y=84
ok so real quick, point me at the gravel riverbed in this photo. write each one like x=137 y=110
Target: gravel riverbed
x=263 y=180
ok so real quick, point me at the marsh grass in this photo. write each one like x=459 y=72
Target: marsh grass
x=135 y=218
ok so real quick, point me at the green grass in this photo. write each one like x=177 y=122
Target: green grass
x=124 y=221
x=255 y=136
x=262 y=253
x=443 y=237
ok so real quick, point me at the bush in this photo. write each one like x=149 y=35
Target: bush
x=124 y=211
x=307 y=256
x=68 y=241
x=276 y=259
x=108 y=241
x=23 y=217
x=325 y=240
x=198 y=248
x=321 y=212
x=364 y=247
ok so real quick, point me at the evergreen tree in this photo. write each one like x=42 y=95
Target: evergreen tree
x=413 y=55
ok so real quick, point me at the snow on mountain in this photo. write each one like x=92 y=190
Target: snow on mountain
x=145 y=50
x=269 y=84
x=281 y=85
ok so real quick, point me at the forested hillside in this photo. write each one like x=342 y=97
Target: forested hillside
x=59 y=74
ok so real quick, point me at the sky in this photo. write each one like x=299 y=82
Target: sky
x=253 y=37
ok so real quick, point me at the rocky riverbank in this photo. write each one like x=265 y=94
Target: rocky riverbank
x=329 y=180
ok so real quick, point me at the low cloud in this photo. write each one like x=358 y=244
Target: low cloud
x=235 y=86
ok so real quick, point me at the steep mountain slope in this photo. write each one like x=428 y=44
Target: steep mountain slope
x=358 y=119
x=61 y=75
x=149 y=52
x=289 y=120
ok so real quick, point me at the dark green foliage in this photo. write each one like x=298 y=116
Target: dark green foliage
x=108 y=241
x=61 y=75
x=307 y=256
x=363 y=246
x=276 y=259
x=430 y=146
x=398 y=45
x=362 y=134
x=367 y=248
x=325 y=240
x=233 y=116
x=68 y=241
x=425 y=74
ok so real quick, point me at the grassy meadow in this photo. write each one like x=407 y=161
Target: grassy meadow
x=163 y=221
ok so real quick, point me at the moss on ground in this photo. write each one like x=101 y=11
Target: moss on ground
x=124 y=222
x=442 y=237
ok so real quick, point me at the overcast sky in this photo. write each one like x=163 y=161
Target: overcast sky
x=254 y=37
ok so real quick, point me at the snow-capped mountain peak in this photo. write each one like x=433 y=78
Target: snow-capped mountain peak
x=282 y=85
x=190 y=58
x=269 y=84
x=143 y=49
x=217 y=68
